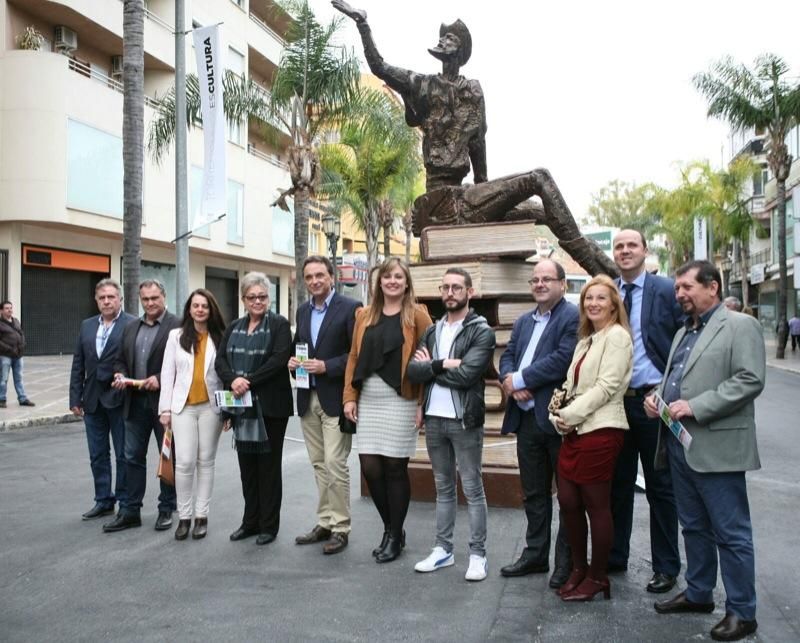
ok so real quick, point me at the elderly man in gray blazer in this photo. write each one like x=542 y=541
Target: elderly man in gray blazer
x=715 y=371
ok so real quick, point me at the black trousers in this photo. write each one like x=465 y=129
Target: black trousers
x=537 y=454
x=262 y=485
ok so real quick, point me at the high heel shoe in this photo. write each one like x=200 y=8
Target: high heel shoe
x=587 y=589
x=393 y=548
x=382 y=546
x=575 y=579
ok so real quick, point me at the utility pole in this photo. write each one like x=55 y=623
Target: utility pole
x=181 y=182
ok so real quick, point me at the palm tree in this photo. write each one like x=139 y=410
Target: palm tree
x=311 y=90
x=375 y=154
x=760 y=98
x=132 y=148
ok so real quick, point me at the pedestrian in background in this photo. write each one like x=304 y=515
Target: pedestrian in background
x=794 y=331
x=187 y=405
x=12 y=345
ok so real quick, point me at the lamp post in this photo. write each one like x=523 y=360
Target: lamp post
x=332 y=227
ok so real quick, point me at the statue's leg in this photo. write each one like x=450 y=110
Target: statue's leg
x=490 y=201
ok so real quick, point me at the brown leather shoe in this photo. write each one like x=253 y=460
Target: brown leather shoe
x=680 y=604
x=317 y=535
x=731 y=628
x=337 y=543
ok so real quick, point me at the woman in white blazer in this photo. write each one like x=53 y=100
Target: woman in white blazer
x=186 y=403
x=593 y=425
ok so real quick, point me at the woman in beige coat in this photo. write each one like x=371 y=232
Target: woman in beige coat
x=592 y=424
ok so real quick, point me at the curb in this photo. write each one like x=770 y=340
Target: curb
x=42 y=420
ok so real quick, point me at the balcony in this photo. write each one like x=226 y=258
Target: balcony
x=762 y=256
x=264 y=40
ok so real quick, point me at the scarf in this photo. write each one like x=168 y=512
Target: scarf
x=245 y=354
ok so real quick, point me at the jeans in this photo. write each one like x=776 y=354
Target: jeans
x=99 y=425
x=142 y=420
x=450 y=445
x=13 y=364
x=196 y=430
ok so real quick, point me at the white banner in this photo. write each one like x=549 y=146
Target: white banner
x=700 y=238
x=210 y=69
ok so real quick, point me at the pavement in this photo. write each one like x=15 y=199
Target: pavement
x=64 y=580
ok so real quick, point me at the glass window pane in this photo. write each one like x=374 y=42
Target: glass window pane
x=94 y=170
x=235 y=213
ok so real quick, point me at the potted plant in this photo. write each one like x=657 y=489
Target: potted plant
x=30 y=39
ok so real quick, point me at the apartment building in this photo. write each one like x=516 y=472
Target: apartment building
x=61 y=162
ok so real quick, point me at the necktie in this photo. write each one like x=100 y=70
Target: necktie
x=628 y=301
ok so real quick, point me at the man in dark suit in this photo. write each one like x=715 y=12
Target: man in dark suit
x=535 y=363
x=91 y=395
x=654 y=317
x=137 y=372
x=715 y=371
x=325 y=325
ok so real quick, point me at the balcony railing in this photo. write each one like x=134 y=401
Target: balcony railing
x=267 y=28
x=269 y=158
x=762 y=256
x=154 y=18
x=90 y=72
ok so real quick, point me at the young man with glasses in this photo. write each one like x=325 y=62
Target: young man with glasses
x=535 y=363
x=450 y=361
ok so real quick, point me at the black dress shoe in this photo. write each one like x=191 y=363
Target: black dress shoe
x=680 y=604
x=336 y=544
x=523 y=567
x=182 y=532
x=242 y=533
x=731 y=628
x=26 y=403
x=122 y=521
x=393 y=548
x=200 y=528
x=265 y=538
x=660 y=583
x=382 y=546
x=164 y=521
x=318 y=534
x=97 y=511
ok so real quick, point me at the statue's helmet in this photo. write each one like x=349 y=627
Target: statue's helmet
x=459 y=29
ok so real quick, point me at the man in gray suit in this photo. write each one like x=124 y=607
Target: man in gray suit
x=715 y=370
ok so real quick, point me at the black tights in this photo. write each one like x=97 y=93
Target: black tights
x=576 y=501
x=390 y=488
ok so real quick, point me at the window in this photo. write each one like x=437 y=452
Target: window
x=238 y=3
x=235 y=213
x=282 y=232
x=235 y=64
x=94 y=170
x=313 y=242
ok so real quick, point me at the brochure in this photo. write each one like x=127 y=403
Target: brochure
x=226 y=399
x=302 y=378
x=676 y=428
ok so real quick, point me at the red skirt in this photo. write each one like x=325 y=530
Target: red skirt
x=589 y=458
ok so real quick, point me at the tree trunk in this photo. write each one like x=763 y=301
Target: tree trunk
x=783 y=278
x=132 y=148
x=371 y=235
x=387 y=241
x=744 y=259
x=301 y=197
x=408 y=246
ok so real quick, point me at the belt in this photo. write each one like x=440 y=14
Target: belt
x=642 y=391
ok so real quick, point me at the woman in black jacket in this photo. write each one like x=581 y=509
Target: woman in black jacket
x=252 y=357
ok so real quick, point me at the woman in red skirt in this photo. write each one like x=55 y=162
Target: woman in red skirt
x=592 y=424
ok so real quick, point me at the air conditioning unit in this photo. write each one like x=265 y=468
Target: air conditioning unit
x=116 y=66
x=65 y=39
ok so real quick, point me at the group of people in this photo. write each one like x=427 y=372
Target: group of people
x=586 y=387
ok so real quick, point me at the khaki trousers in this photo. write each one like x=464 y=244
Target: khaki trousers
x=328 y=449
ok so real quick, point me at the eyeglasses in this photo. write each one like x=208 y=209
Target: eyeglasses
x=456 y=289
x=545 y=281
x=252 y=298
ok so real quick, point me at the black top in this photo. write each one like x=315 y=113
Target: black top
x=381 y=352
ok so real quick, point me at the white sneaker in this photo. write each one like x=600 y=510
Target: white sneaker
x=478 y=568
x=439 y=558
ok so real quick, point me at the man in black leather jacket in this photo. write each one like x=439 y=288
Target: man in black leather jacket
x=451 y=360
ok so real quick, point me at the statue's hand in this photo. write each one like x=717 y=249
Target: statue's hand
x=359 y=15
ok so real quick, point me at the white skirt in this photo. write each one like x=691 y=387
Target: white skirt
x=385 y=421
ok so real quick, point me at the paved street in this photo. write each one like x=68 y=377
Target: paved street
x=62 y=579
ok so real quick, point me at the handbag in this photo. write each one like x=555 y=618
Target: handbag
x=559 y=400
x=346 y=425
x=166 y=470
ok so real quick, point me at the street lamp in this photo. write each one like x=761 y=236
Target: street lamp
x=332 y=227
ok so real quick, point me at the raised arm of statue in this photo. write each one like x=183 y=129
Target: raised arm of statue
x=477 y=148
x=397 y=78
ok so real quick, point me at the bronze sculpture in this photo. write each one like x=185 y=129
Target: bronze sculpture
x=450 y=111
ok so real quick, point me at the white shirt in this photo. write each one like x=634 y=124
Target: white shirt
x=440 y=403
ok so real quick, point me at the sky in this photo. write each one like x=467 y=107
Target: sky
x=593 y=91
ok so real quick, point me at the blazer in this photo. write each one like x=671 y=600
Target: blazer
x=602 y=381
x=549 y=366
x=125 y=357
x=334 y=340
x=177 y=374
x=661 y=318
x=91 y=376
x=411 y=337
x=270 y=381
x=723 y=376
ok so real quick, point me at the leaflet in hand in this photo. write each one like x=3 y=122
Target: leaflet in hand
x=676 y=428
x=302 y=378
x=226 y=399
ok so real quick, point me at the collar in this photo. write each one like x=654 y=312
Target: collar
x=113 y=321
x=539 y=317
x=638 y=282
x=703 y=319
x=143 y=319
x=325 y=304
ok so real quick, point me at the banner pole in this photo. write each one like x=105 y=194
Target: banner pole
x=181 y=179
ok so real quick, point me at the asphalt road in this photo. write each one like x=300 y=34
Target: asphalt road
x=62 y=579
